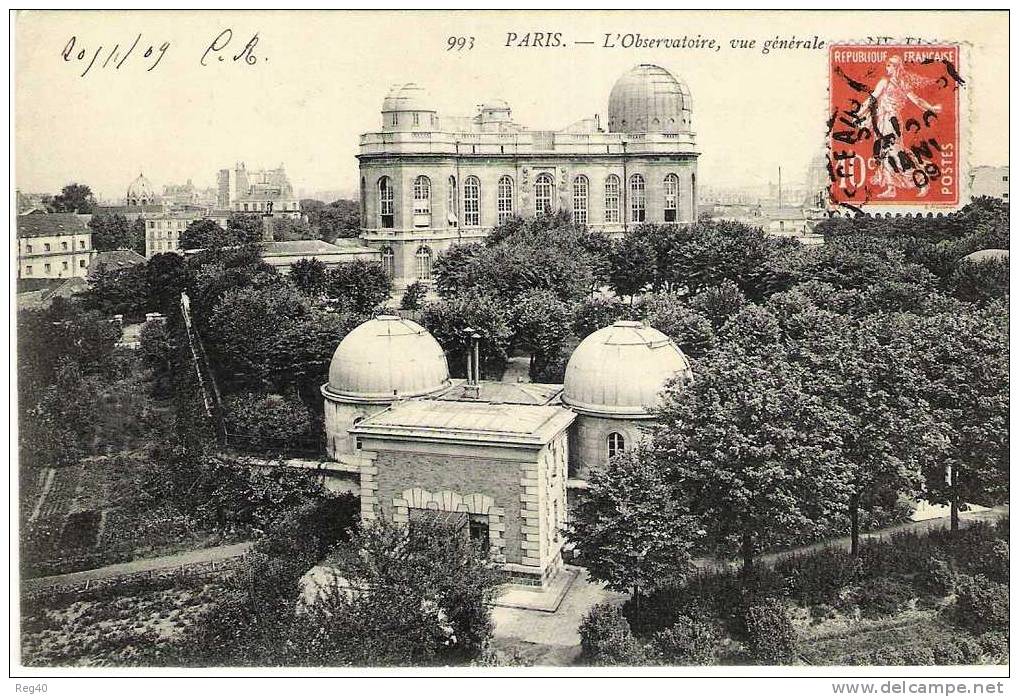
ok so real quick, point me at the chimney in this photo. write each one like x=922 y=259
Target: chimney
x=472 y=388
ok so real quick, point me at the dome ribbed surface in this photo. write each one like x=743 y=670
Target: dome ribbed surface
x=620 y=370
x=650 y=99
x=387 y=358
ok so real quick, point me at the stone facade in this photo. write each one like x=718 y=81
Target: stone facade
x=428 y=182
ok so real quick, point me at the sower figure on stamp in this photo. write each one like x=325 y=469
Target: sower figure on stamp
x=887 y=101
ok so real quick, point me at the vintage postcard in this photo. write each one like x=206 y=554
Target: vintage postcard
x=512 y=343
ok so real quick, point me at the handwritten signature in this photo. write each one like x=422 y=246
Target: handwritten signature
x=75 y=51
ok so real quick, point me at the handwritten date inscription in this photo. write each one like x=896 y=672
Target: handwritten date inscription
x=150 y=54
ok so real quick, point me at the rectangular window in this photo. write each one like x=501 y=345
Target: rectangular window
x=46 y=268
x=65 y=266
x=81 y=244
x=28 y=270
x=81 y=263
x=46 y=246
x=28 y=247
x=63 y=246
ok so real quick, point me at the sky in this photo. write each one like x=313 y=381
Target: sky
x=314 y=81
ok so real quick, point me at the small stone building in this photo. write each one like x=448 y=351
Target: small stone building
x=500 y=457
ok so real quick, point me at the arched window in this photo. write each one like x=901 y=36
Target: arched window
x=671 y=197
x=580 y=188
x=386 y=203
x=472 y=202
x=693 y=193
x=544 y=189
x=424 y=263
x=422 y=201
x=638 y=199
x=612 y=199
x=387 y=261
x=616 y=444
x=505 y=199
x=452 y=214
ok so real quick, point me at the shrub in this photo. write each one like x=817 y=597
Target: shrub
x=413 y=296
x=818 y=577
x=901 y=655
x=981 y=604
x=994 y=646
x=688 y=642
x=938 y=579
x=822 y=612
x=265 y=420
x=606 y=639
x=882 y=596
x=771 y=637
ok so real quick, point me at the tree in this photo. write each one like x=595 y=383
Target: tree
x=74 y=198
x=309 y=276
x=138 y=236
x=245 y=227
x=859 y=365
x=206 y=234
x=267 y=421
x=719 y=303
x=541 y=326
x=631 y=529
x=631 y=266
x=413 y=296
x=669 y=314
x=751 y=448
x=166 y=279
x=449 y=320
x=358 y=286
x=592 y=314
x=285 y=229
x=961 y=359
x=341 y=218
x=117 y=291
x=111 y=232
x=272 y=337
x=981 y=281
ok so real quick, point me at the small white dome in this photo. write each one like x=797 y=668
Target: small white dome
x=620 y=370
x=385 y=359
x=650 y=99
x=985 y=254
x=407 y=97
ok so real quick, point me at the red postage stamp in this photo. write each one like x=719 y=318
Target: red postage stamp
x=893 y=131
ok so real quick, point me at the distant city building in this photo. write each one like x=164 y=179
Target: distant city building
x=54 y=245
x=163 y=230
x=430 y=181
x=989 y=181
x=30 y=202
x=259 y=191
x=141 y=193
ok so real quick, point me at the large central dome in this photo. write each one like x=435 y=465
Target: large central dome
x=650 y=99
x=385 y=359
x=620 y=370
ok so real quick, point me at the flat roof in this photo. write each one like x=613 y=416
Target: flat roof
x=509 y=425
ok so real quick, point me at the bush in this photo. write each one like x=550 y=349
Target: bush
x=981 y=604
x=265 y=420
x=818 y=577
x=901 y=655
x=882 y=596
x=688 y=642
x=771 y=637
x=605 y=638
x=413 y=296
x=938 y=579
x=994 y=647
